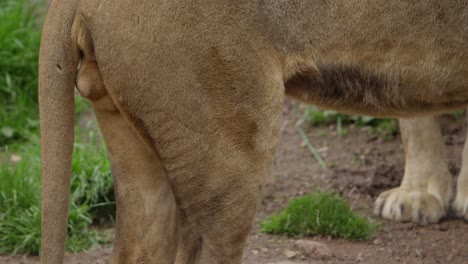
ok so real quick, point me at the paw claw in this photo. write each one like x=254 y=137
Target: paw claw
x=420 y=218
x=379 y=204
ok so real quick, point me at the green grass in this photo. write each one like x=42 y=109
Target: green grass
x=19 y=42
x=91 y=199
x=385 y=128
x=321 y=214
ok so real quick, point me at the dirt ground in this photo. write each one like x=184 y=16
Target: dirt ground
x=361 y=166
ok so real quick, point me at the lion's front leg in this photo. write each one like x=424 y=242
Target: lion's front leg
x=460 y=205
x=425 y=191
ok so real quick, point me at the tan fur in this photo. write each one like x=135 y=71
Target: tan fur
x=426 y=189
x=460 y=204
x=189 y=96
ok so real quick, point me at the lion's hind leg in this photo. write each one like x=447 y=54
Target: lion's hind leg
x=146 y=217
x=218 y=209
x=425 y=191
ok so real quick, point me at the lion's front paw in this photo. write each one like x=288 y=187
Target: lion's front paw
x=460 y=205
x=407 y=205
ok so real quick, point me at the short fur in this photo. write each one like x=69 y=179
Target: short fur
x=189 y=97
x=426 y=189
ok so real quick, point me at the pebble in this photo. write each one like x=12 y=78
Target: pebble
x=360 y=257
x=15 y=158
x=442 y=227
x=314 y=249
x=290 y=254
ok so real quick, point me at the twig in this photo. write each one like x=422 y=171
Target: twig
x=311 y=148
x=339 y=125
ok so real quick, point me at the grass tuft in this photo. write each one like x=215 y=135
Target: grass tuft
x=19 y=42
x=385 y=128
x=92 y=197
x=322 y=214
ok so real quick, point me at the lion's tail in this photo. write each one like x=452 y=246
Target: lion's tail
x=58 y=63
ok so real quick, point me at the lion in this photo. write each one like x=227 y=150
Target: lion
x=426 y=189
x=188 y=95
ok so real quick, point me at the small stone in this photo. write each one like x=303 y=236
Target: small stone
x=314 y=249
x=377 y=241
x=255 y=252
x=321 y=150
x=442 y=227
x=15 y=158
x=360 y=257
x=264 y=250
x=290 y=254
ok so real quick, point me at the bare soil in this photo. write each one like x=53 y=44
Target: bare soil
x=360 y=167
